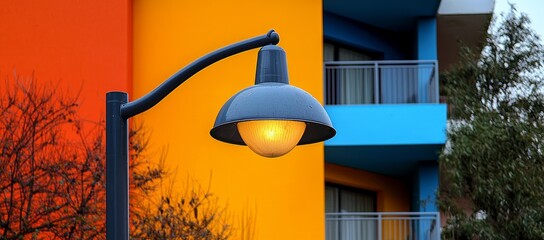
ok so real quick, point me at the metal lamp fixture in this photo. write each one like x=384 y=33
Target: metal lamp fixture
x=271 y=117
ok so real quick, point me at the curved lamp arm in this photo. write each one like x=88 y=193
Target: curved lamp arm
x=119 y=110
x=152 y=98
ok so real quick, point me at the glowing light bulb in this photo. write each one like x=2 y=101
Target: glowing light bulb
x=271 y=138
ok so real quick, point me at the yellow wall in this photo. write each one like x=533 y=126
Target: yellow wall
x=287 y=192
x=393 y=194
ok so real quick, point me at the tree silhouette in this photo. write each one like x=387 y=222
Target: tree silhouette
x=52 y=176
x=51 y=182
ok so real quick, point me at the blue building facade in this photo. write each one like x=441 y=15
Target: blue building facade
x=382 y=92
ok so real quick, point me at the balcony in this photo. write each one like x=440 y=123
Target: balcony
x=381 y=82
x=383 y=225
x=386 y=113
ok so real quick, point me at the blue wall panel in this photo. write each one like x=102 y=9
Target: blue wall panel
x=426 y=49
x=426 y=39
x=427 y=185
x=426 y=182
x=383 y=124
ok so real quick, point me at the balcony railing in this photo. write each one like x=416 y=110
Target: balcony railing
x=381 y=82
x=383 y=225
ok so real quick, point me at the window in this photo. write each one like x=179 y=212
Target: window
x=347 y=85
x=336 y=52
x=346 y=199
x=340 y=199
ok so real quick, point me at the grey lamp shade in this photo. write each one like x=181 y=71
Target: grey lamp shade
x=272 y=98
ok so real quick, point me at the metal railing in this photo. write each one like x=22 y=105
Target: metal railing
x=381 y=82
x=383 y=225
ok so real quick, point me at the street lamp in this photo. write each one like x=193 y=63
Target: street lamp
x=270 y=117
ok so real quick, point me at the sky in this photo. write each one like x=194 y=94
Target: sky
x=533 y=8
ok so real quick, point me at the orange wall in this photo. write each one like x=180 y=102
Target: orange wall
x=393 y=194
x=287 y=193
x=84 y=46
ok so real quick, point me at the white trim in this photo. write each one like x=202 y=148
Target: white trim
x=461 y=7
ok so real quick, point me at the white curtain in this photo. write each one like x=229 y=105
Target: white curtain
x=345 y=201
x=401 y=84
x=331 y=206
x=348 y=85
x=359 y=229
x=330 y=75
x=328 y=52
x=357 y=84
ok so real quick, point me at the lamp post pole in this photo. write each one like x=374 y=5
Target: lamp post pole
x=119 y=110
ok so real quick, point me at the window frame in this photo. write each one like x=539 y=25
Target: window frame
x=340 y=187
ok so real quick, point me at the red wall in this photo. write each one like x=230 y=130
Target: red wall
x=83 y=46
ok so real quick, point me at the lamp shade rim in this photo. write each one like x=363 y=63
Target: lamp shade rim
x=272 y=118
x=315 y=131
x=273 y=101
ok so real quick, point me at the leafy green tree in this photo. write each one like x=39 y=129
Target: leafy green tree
x=492 y=168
